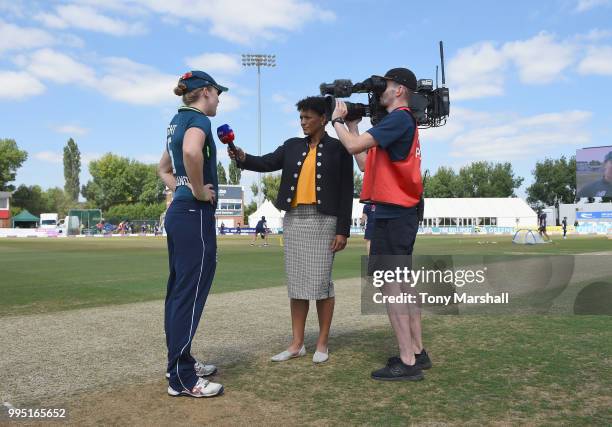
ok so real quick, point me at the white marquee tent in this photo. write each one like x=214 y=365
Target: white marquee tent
x=495 y=211
x=489 y=211
x=443 y=212
x=274 y=217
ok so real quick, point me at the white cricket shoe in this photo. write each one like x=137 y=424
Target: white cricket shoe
x=204 y=370
x=201 y=369
x=203 y=388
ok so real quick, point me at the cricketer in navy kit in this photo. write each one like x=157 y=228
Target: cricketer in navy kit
x=188 y=167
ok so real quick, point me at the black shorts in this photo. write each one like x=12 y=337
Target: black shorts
x=394 y=236
x=369 y=231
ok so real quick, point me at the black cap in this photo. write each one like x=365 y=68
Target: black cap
x=608 y=157
x=402 y=76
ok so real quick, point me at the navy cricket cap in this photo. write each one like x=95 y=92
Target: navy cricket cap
x=402 y=76
x=608 y=157
x=197 y=79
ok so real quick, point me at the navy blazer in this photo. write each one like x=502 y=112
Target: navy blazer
x=333 y=176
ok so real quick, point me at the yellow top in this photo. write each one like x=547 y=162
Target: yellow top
x=305 y=193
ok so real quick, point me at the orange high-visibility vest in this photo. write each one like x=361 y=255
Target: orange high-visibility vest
x=394 y=183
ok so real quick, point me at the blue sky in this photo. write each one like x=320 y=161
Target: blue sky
x=527 y=80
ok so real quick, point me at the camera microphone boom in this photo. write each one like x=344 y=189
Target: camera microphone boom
x=429 y=106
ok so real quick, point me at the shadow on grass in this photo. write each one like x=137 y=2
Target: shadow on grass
x=486 y=370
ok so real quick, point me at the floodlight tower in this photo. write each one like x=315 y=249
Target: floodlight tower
x=259 y=60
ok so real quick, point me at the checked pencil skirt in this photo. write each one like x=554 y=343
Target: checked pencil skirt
x=308 y=236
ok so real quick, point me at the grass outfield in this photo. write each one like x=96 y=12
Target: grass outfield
x=47 y=275
x=488 y=370
x=493 y=370
x=504 y=370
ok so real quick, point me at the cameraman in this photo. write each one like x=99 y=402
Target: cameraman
x=392 y=181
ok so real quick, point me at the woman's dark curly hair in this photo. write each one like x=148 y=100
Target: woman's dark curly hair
x=312 y=103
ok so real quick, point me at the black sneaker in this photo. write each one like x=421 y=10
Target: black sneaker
x=393 y=360
x=422 y=360
x=396 y=370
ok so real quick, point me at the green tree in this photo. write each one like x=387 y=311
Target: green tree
x=271 y=185
x=248 y=210
x=37 y=201
x=554 y=182
x=487 y=179
x=30 y=198
x=56 y=200
x=234 y=174
x=444 y=183
x=221 y=174
x=72 y=169
x=110 y=183
x=473 y=180
x=502 y=180
x=15 y=210
x=357 y=183
x=153 y=187
x=254 y=189
x=11 y=159
x=118 y=180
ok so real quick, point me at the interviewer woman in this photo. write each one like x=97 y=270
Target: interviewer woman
x=316 y=191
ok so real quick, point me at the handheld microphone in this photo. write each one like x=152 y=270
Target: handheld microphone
x=226 y=135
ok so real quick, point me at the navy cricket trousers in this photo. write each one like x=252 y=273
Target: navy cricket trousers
x=192 y=254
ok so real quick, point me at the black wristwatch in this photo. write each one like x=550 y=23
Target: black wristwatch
x=337 y=120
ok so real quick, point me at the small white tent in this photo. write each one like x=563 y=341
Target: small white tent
x=274 y=217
